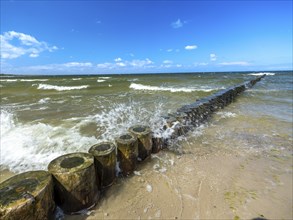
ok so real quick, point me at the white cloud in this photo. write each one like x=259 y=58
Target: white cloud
x=24 y=44
x=118 y=59
x=177 y=24
x=213 y=57
x=34 y=55
x=77 y=64
x=190 y=47
x=133 y=63
x=105 y=65
x=62 y=66
x=201 y=64
x=169 y=50
x=121 y=64
x=141 y=63
x=167 y=62
x=236 y=63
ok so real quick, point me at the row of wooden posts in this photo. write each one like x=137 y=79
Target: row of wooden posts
x=74 y=181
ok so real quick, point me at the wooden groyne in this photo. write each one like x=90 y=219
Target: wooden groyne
x=74 y=181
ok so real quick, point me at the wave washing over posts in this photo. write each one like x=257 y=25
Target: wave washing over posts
x=74 y=181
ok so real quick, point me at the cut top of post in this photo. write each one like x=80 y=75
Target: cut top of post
x=140 y=130
x=71 y=163
x=126 y=138
x=17 y=189
x=102 y=149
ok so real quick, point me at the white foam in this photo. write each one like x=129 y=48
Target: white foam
x=33 y=80
x=32 y=146
x=149 y=188
x=137 y=173
x=133 y=80
x=101 y=80
x=260 y=74
x=7 y=122
x=76 y=78
x=8 y=80
x=119 y=117
x=44 y=100
x=105 y=77
x=226 y=114
x=136 y=86
x=60 y=88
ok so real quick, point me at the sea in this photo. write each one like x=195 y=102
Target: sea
x=43 y=117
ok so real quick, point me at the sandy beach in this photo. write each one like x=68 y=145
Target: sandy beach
x=203 y=182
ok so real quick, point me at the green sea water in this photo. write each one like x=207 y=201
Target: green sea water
x=43 y=117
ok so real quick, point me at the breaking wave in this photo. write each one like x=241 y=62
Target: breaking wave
x=168 y=89
x=260 y=74
x=31 y=146
x=33 y=80
x=60 y=88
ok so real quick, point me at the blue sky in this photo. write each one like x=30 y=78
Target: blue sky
x=98 y=37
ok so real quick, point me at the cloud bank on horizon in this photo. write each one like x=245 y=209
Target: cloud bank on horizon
x=138 y=38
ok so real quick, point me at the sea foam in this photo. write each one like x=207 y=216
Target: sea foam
x=8 y=80
x=60 y=88
x=260 y=74
x=32 y=145
x=136 y=86
x=33 y=80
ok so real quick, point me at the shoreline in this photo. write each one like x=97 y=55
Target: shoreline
x=215 y=185
x=199 y=184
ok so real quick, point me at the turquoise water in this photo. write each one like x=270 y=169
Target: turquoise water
x=43 y=117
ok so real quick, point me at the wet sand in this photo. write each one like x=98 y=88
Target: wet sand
x=216 y=184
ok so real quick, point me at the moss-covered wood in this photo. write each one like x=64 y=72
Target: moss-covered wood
x=105 y=162
x=127 y=153
x=27 y=196
x=76 y=185
x=144 y=137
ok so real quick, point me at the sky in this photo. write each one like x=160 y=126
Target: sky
x=104 y=37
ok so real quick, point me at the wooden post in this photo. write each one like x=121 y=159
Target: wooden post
x=144 y=136
x=127 y=153
x=105 y=162
x=27 y=196
x=76 y=187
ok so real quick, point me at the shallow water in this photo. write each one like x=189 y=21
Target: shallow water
x=238 y=164
x=44 y=117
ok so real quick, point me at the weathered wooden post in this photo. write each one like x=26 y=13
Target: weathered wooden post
x=158 y=144
x=144 y=137
x=105 y=162
x=27 y=196
x=76 y=186
x=127 y=153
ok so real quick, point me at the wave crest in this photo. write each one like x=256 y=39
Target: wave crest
x=60 y=88
x=260 y=74
x=136 y=86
